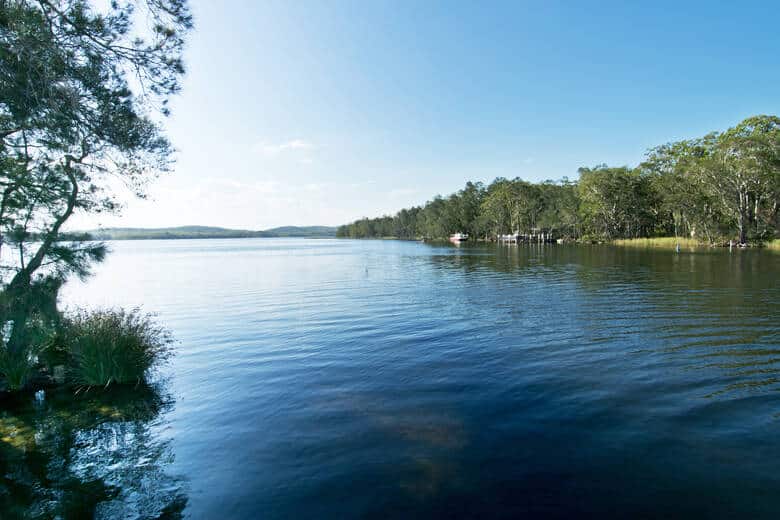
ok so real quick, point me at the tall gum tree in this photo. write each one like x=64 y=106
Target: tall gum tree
x=747 y=173
x=732 y=176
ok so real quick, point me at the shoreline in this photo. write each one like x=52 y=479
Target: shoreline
x=649 y=243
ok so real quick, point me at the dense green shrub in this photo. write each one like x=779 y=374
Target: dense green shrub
x=114 y=346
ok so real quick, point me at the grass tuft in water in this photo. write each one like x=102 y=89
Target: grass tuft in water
x=115 y=346
x=16 y=368
x=660 y=242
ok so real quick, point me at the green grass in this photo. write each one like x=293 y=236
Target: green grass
x=15 y=368
x=114 y=347
x=660 y=242
x=773 y=244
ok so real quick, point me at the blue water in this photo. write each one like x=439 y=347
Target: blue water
x=350 y=379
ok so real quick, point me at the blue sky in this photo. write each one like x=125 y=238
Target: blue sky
x=322 y=112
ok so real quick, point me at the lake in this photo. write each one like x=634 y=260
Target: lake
x=351 y=379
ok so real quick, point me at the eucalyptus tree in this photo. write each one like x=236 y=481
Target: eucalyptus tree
x=618 y=202
x=707 y=188
x=602 y=191
x=406 y=223
x=725 y=181
x=742 y=166
x=468 y=203
x=688 y=206
x=497 y=207
x=529 y=204
x=436 y=218
x=83 y=92
x=560 y=208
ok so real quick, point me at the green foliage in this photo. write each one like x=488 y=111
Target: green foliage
x=29 y=319
x=82 y=93
x=99 y=348
x=659 y=242
x=722 y=186
x=16 y=368
x=724 y=183
x=504 y=206
x=617 y=202
x=114 y=346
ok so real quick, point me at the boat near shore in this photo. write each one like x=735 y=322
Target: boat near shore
x=457 y=238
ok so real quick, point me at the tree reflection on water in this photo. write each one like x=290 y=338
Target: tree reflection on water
x=708 y=313
x=96 y=454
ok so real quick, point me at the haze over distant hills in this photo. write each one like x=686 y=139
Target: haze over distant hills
x=203 y=232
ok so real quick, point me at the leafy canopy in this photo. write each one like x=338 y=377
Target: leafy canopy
x=83 y=92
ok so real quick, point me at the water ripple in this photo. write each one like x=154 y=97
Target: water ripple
x=353 y=378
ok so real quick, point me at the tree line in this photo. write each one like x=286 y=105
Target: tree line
x=720 y=187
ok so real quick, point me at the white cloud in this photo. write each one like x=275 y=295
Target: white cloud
x=272 y=149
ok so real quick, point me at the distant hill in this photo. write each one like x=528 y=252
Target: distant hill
x=307 y=231
x=183 y=232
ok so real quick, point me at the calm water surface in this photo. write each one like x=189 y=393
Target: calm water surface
x=325 y=378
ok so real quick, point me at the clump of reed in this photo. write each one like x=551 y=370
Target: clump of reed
x=16 y=368
x=86 y=349
x=18 y=363
x=113 y=346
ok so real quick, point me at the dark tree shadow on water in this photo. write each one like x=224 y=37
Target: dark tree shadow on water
x=93 y=455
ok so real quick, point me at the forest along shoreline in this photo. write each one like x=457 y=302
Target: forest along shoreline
x=720 y=189
x=654 y=242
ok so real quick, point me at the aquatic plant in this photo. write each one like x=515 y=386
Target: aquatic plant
x=16 y=368
x=114 y=346
x=16 y=365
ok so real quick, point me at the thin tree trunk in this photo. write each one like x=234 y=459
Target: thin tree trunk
x=19 y=300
